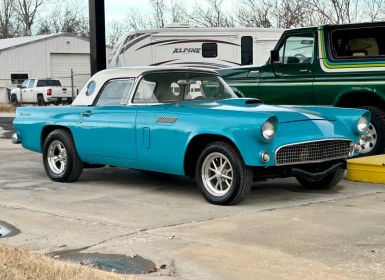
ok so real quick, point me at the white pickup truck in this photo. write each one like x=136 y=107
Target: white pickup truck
x=41 y=91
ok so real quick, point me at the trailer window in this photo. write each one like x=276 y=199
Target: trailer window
x=358 y=43
x=247 y=50
x=209 y=50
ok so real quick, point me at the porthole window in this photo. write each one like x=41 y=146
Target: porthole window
x=90 y=88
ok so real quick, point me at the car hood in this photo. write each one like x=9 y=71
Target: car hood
x=284 y=114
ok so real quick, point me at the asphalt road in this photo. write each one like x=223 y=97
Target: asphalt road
x=6 y=128
x=280 y=231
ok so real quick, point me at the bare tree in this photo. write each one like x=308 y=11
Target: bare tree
x=254 y=13
x=212 y=16
x=159 y=17
x=340 y=11
x=178 y=12
x=115 y=30
x=66 y=17
x=7 y=11
x=26 y=11
x=137 y=20
x=292 y=13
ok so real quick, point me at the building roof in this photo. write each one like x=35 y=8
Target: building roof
x=21 y=41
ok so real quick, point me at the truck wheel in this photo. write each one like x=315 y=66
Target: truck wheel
x=326 y=182
x=40 y=100
x=61 y=161
x=221 y=174
x=13 y=99
x=373 y=143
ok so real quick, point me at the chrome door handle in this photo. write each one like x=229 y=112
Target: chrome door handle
x=87 y=114
x=304 y=70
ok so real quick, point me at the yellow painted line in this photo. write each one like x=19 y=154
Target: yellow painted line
x=367 y=169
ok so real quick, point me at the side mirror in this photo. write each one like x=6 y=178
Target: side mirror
x=238 y=92
x=19 y=86
x=274 y=56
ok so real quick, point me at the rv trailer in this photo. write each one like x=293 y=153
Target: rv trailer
x=180 y=44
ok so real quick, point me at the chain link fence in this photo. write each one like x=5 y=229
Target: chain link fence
x=73 y=82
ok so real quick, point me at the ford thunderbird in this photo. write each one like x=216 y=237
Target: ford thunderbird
x=189 y=122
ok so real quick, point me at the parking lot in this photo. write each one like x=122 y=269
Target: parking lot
x=280 y=231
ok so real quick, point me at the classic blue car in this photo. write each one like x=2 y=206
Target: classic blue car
x=189 y=122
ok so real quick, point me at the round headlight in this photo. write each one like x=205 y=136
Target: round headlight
x=269 y=129
x=362 y=125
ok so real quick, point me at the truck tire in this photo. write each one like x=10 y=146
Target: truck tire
x=323 y=183
x=221 y=174
x=374 y=142
x=61 y=160
x=40 y=100
x=13 y=99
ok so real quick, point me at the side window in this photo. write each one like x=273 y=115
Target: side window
x=358 y=43
x=161 y=88
x=115 y=93
x=297 y=50
x=209 y=50
x=25 y=84
x=31 y=83
x=247 y=50
x=17 y=79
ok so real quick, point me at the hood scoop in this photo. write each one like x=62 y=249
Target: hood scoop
x=241 y=101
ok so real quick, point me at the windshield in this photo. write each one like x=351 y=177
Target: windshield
x=177 y=87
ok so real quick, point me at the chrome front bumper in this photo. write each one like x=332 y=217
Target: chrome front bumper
x=15 y=139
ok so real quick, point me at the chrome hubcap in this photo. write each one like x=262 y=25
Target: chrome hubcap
x=57 y=157
x=217 y=174
x=369 y=140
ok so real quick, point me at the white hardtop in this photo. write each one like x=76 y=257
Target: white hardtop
x=103 y=76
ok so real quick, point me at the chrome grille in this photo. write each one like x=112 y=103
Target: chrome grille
x=316 y=151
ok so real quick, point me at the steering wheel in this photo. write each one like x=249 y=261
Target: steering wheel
x=300 y=56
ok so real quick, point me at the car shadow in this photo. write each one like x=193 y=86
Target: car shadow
x=287 y=189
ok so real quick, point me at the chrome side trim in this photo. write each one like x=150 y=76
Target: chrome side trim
x=314 y=141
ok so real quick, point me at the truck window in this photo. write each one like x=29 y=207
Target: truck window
x=297 y=50
x=358 y=43
x=209 y=50
x=246 y=50
x=48 y=83
x=17 y=79
x=31 y=83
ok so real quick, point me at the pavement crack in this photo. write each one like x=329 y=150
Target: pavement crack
x=20 y=208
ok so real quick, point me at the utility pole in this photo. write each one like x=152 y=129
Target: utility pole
x=97 y=35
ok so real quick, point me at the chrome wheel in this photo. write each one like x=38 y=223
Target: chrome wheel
x=57 y=157
x=217 y=174
x=369 y=140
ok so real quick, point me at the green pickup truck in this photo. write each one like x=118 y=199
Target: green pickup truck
x=332 y=65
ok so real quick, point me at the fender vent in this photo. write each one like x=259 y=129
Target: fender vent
x=166 y=120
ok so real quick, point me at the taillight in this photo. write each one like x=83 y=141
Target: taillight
x=49 y=91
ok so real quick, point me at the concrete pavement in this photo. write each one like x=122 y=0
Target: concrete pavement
x=280 y=231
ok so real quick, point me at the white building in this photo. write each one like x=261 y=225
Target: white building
x=44 y=56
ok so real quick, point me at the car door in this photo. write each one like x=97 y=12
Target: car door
x=106 y=130
x=290 y=80
x=159 y=138
x=23 y=91
x=29 y=92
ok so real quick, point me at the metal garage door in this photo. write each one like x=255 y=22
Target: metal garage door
x=61 y=65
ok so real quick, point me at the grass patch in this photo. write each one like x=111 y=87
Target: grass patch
x=8 y=108
x=16 y=264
